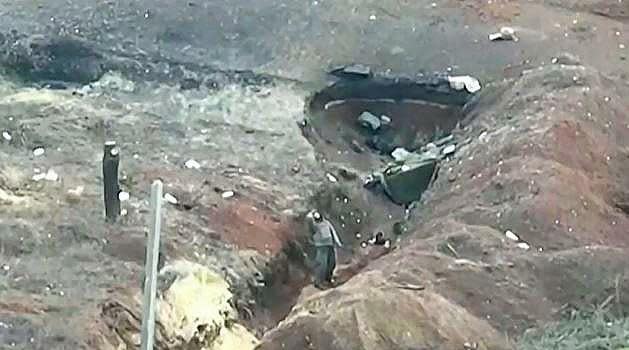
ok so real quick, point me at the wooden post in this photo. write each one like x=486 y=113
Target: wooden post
x=150 y=270
x=111 y=160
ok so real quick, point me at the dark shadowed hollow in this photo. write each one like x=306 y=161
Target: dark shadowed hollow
x=420 y=111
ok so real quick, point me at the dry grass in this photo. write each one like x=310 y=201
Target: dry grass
x=581 y=330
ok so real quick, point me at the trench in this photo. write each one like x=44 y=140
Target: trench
x=420 y=111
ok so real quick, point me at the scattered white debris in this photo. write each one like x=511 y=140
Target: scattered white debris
x=466 y=82
x=385 y=120
x=372 y=17
x=61 y=293
x=192 y=164
x=448 y=150
x=512 y=236
x=331 y=178
x=358 y=235
x=170 y=198
x=505 y=33
x=227 y=194
x=524 y=245
x=123 y=212
x=136 y=156
x=363 y=244
x=387 y=244
x=7 y=136
x=6 y=267
x=123 y=196
x=50 y=175
x=39 y=151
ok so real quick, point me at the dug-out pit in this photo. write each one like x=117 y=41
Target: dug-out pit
x=407 y=113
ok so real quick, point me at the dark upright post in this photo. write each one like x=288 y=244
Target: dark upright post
x=111 y=159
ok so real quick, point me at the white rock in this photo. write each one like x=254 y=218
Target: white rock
x=124 y=212
x=51 y=175
x=227 y=194
x=39 y=151
x=331 y=178
x=170 y=198
x=7 y=136
x=123 y=196
x=387 y=244
x=466 y=82
x=6 y=267
x=505 y=33
x=524 y=245
x=512 y=236
x=400 y=154
x=78 y=191
x=192 y=164
x=449 y=149
x=39 y=176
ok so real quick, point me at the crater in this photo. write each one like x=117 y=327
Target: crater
x=360 y=122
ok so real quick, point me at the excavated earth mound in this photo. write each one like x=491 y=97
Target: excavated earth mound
x=544 y=157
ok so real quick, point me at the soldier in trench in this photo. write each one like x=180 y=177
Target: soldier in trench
x=325 y=240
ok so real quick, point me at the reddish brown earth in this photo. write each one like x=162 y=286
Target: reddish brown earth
x=534 y=163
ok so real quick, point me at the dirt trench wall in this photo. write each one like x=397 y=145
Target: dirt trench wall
x=543 y=161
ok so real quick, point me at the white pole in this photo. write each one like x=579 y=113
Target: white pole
x=150 y=270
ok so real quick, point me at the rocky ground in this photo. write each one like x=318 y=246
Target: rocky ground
x=541 y=154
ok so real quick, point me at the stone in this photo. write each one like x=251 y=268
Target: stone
x=369 y=121
x=469 y=83
x=400 y=154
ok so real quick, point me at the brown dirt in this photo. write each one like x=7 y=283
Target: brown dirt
x=247 y=226
x=536 y=164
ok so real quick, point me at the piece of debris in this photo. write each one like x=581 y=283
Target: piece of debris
x=39 y=151
x=524 y=246
x=123 y=196
x=387 y=243
x=448 y=150
x=170 y=198
x=512 y=236
x=369 y=121
x=6 y=267
x=566 y=59
x=50 y=175
x=409 y=286
x=227 y=194
x=469 y=83
x=7 y=136
x=356 y=147
x=363 y=244
x=351 y=71
x=192 y=164
x=385 y=120
x=331 y=178
x=405 y=183
x=74 y=194
x=400 y=154
x=505 y=33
